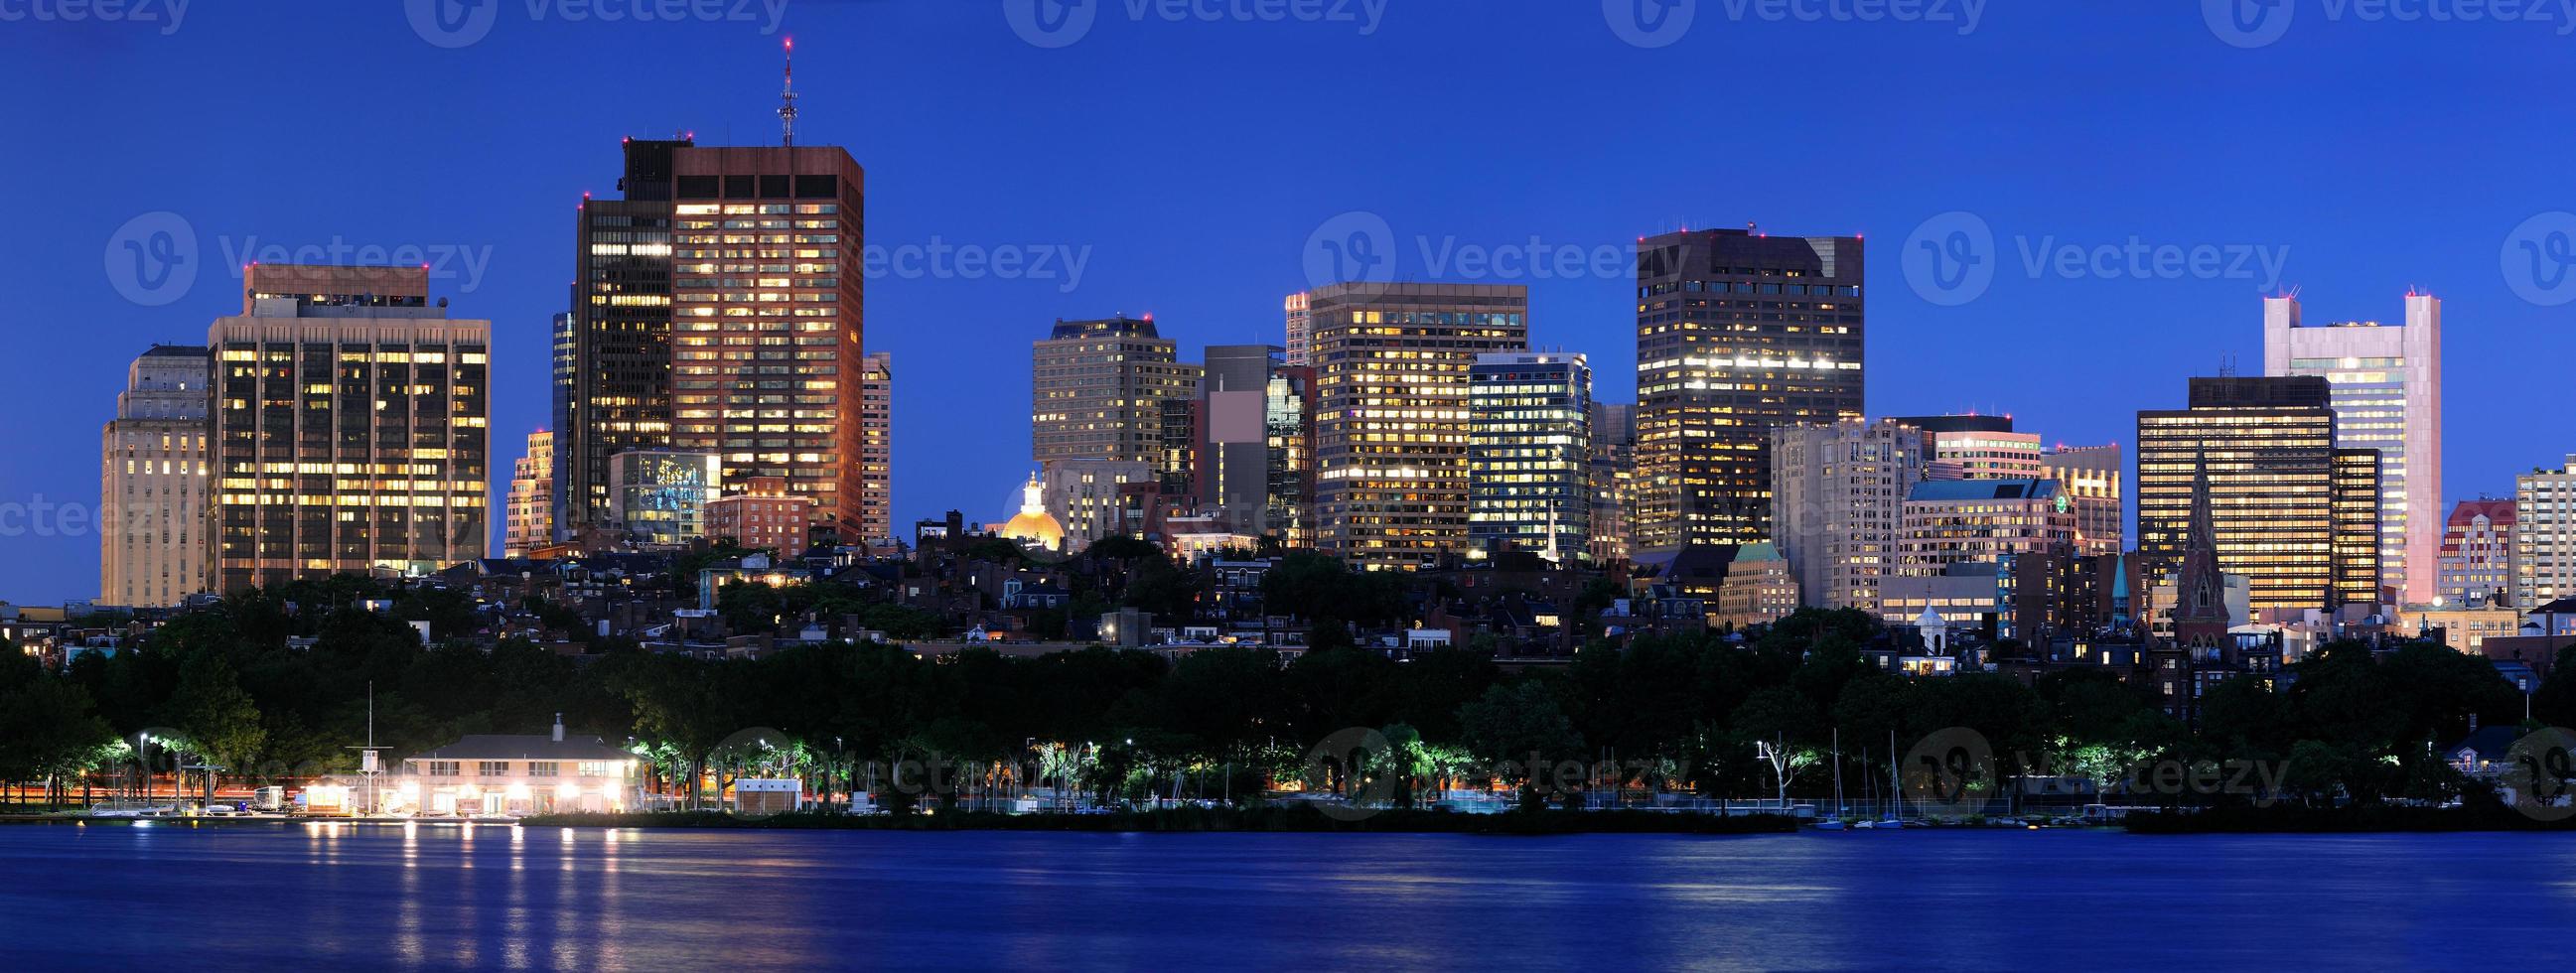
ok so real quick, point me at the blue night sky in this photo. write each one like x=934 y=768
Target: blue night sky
x=1188 y=163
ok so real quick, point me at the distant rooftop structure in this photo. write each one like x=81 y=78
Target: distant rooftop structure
x=1983 y=490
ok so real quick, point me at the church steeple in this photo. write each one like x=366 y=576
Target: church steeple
x=2200 y=587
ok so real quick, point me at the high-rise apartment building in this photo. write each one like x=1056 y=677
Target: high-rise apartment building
x=2092 y=479
x=152 y=482
x=766 y=282
x=2268 y=448
x=1838 y=495
x=2544 y=536
x=1529 y=454
x=1391 y=417
x=349 y=424
x=529 y=523
x=1972 y=447
x=1097 y=390
x=1613 y=470
x=1300 y=332
x=1737 y=333
x=876 y=452
x=2387 y=382
x=2477 y=554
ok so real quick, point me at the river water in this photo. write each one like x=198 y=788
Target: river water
x=312 y=897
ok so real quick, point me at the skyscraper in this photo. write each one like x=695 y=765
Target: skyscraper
x=1839 y=493
x=1950 y=521
x=1300 y=333
x=2544 y=536
x=2387 y=382
x=1097 y=390
x=1391 y=417
x=1529 y=446
x=152 y=482
x=529 y=523
x=613 y=351
x=1737 y=333
x=765 y=307
x=1234 y=459
x=876 y=452
x=1613 y=473
x=2091 y=478
x=2477 y=554
x=2267 y=446
x=1291 y=418
x=349 y=427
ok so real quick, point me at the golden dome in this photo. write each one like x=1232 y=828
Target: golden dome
x=1034 y=527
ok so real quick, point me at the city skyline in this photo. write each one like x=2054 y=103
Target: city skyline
x=506 y=245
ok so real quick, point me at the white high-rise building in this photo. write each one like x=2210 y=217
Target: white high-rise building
x=2387 y=388
x=152 y=482
x=2544 y=536
x=1838 y=505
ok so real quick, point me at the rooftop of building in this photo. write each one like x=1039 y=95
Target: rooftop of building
x=1120 y=326
x=1942 y=490
x=524 y=746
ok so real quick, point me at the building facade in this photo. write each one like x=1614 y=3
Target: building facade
x=766 y=336
x=2387 y=397
x=657 y=498
x=1296 y=353
x=876 y=452
x=1953 y=521
x=1084 y=498
x=1529 y=454
x=529 y=523
x=1231 y=435
x=2267 y=445
x=1392 y=424
x=1975 y=447
x=1097 y=390
x=350 y=428
x=2093 y=478
x=1291 y=417
x=1737 y=333
x=152 y=481
x=762 y=513
x=1759 y=588
x=613 y=381
x=2477 y=554
x=1838 y=496
x=1612 y=468
x=2544 y=536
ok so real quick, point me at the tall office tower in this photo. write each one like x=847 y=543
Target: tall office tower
x=2544 y=536
x=2477 y=554
x=2388 y=397
x=530 y=522
x=876 y=452
x=1529 y=454
x=1291 y=418
x=1300 y=333
x=1737 y=333
x=2090 y=477
x=1952 y=521
x=1176 y=464
x=1084 y=498
x=1839 y=499
x=766 y=281
x=1097 y=390
x=1613 y=469
x=1391 y=380
x=349 y=427
x=152 y=482
x=2268 y=447
x=1233 y=456
x=565 y=382
x=2357 y=574
x=613 y=355
x=1976 y=448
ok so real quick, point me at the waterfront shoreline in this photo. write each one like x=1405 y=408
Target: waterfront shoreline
x=1188 y=820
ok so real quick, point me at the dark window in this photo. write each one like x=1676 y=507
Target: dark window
x=739 y=187
x=817 y=187
x=773 y=187
x=697 y=187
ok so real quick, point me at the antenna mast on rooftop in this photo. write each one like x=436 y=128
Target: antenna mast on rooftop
x=787 y=97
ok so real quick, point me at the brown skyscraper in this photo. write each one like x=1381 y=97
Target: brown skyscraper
x=876 y=452
x=349 y=427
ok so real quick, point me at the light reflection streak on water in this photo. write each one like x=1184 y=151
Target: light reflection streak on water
x=407 y=920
